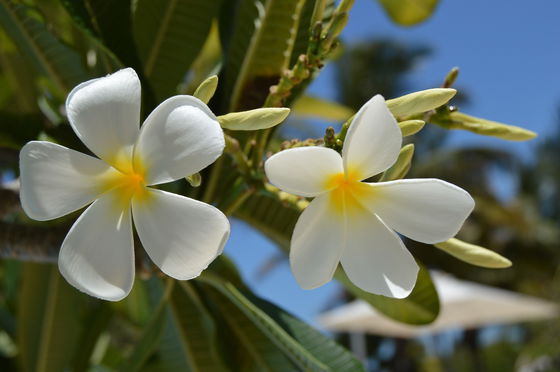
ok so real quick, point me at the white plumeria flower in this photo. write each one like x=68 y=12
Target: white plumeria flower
x=353 y=221
x=180 y=137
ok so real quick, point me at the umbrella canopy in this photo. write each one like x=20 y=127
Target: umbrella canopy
x=464 y=305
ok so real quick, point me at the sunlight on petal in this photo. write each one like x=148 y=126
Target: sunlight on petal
x=373 y=141
x=180 y=137
x=97 y=255
x=181 y=235
x=426 y=210
x=376 y=260
x=56 y=180
x=317 y=244
x=105 y=114
x=304 y=171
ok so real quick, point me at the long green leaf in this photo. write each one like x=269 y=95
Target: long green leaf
x=334 y=356
x=50 y=56
x=269 y=346
x=189 y=335
x=50 y=320
x=108 y=24
x=151 y=334
x=260 y=49
x=170 y=35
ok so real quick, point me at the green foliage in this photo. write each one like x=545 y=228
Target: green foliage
x=51 y=319
x=50 y=57
x=260 y=48
x=169 y=35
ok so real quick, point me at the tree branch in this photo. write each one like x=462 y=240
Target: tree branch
x=31 y=243
x=9 y=201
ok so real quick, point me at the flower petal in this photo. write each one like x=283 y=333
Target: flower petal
x=105 y=114
x=181 y=235
x=97 y=255
x=56 y=180
x=303 y=171
x=180 y=137
x=426 y=210
x=375 y=259
x=373 y=140
x=317 y=244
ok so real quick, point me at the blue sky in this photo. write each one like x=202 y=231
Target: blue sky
x=509 y=55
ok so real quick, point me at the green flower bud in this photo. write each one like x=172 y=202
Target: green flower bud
x=261 y=118
x=194 y=179
x=410 y=127
x=206 y=89
x=474 y=254
x=458 y=120
x=401 y=166
x=422 y=101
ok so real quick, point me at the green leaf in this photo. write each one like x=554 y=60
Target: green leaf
x=401 y=167
x=420 y=307
x=107 y=26
x=151 y=334
x=323 y=348
x=419 y=102
x=474 y=254
x=50 y=320
x=206 y=89
x=48 y=54
x=265 y=324
x=255 y=351
x=334 y=356
x=409 y=12
x=260 y=49
x=458 y=120
x=321 y=108
x=256 y=119
x=189 y=340
x=169 y=35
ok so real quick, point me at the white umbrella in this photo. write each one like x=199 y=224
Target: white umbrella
x=464 y=305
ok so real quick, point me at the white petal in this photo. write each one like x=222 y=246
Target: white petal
x=426 y=210
x=373 y=140
x=105 y=114
x=317 y=244
x=97 y=255
x=180 y=137
x=56 y=180
x=303 y=171
x=181 y=235
x=376 y=260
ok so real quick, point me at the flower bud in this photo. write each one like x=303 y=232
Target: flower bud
x=474 y=254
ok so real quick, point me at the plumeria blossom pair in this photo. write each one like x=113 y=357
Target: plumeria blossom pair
x=180 y=137
x=354 y=222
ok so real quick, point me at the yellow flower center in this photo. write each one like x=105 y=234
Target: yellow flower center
x=346 y=191
x=126 y=185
